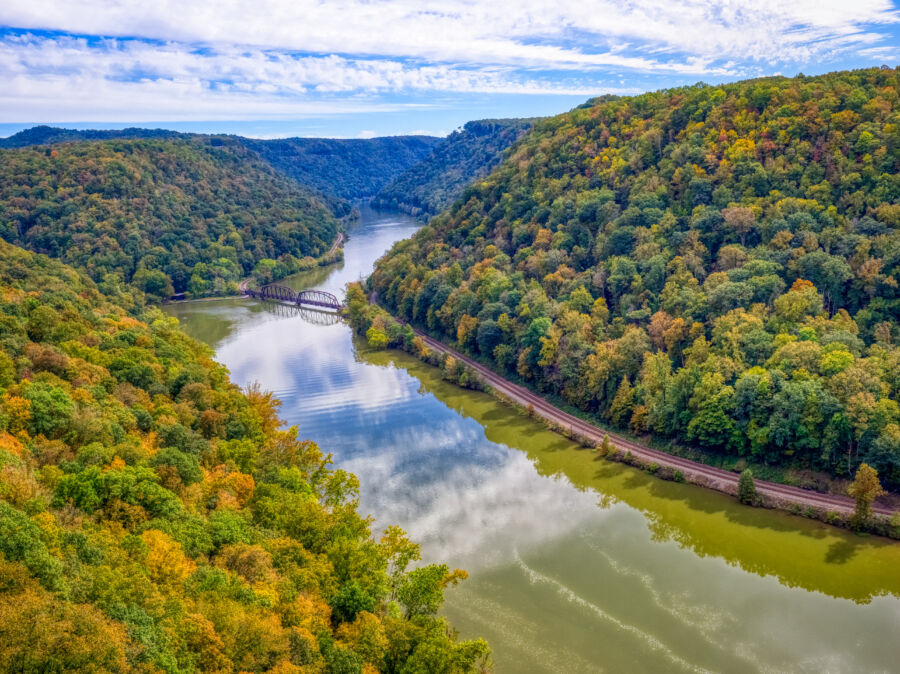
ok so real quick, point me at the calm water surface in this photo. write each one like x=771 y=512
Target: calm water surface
x=576 y=564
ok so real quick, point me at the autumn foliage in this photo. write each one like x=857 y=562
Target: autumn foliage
x=189 y=214
x=718 y=265
x=154 y=517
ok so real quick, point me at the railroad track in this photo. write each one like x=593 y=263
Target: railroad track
x=715 y=478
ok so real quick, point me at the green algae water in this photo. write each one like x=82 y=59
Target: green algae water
x=576 y=564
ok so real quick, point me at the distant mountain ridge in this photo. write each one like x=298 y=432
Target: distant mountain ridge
x=349 y=168
x=45 y=135
x=342 y=168
x=466 y=155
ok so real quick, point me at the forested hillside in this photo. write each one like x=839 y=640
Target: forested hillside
x=45 y=135
x=153 y=517
x=719 y=265
x=437 y=181
x=193 y=215
x=346 y=168
x=338 y=169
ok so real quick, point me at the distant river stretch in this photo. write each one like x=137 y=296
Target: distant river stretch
x=576 y=564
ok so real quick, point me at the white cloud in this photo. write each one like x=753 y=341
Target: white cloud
x=57 y=79
x=558 y=33
x=260 y=71
x=59 y=99
x=219 y=59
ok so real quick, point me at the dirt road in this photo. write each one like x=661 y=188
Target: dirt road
x=337 y=242
x=709 y=476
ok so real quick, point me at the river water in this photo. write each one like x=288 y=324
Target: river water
x=576 y=564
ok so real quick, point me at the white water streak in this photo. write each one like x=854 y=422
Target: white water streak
x=651 y=641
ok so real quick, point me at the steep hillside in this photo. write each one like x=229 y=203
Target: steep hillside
x=192 y=215
x=718 y=265
x=437 y=181
x=346 y=168
x=153 y=517
x=338 y=169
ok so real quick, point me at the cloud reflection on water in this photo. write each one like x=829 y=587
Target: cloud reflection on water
x=465 y=499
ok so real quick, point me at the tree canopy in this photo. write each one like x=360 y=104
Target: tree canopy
x=193 y=215
x=154 y=517
x=719 y=265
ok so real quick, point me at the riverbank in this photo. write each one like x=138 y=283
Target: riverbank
x=329 y=258
x=830 y=508
x=776 y=495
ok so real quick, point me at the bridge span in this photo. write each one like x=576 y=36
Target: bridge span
x=308 y=298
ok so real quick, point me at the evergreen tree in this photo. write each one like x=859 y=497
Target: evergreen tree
x=747 y=488
x=606 y=447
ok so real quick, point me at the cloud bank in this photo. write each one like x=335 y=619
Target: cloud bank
x=116 y=59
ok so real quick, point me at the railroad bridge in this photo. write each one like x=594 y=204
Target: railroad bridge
x=304 y=298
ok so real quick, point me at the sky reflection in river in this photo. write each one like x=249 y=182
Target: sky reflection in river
x=577 y=565
x=461 y=496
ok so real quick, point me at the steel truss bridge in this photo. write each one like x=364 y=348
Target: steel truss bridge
x=305 y=298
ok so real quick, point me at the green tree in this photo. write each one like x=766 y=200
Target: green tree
x=747 y=488
x=153 y=282
x=864 y=490
x=606 y=447
x=712 y=424
x=51 y=409
x=489 y=335
x=7 y=370
x=421 y=592
x=623 y=403
x=350 y=600
x=42 y=322
x=20 y=541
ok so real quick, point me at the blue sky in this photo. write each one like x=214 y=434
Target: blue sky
x=357 y=68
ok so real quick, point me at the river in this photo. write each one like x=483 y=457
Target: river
x=576 y=564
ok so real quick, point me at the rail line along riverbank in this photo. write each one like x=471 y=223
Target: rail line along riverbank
x=701 y=474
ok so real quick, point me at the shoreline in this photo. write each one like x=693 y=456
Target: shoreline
x=701 y=474
x=323 y=261
x=832 y=509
